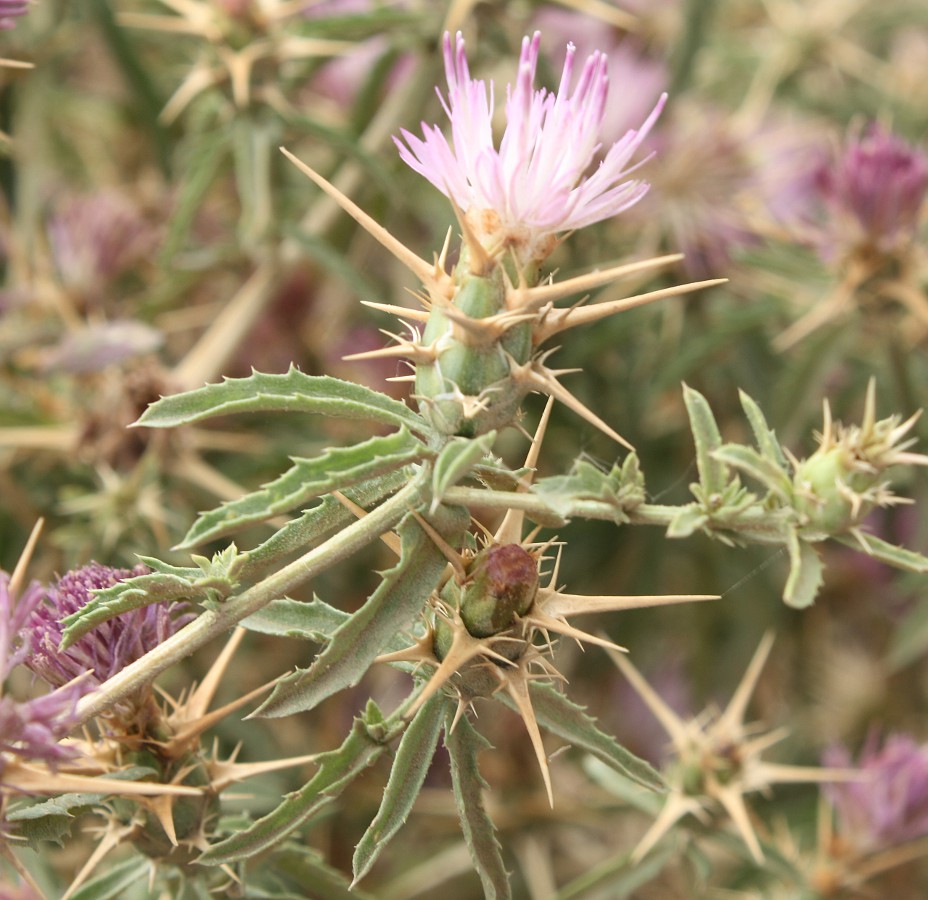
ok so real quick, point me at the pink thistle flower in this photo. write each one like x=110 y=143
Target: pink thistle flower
x=889 y=806
x=535 y=184
x=10 y=10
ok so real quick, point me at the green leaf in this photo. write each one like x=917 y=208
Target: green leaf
x=561 y=716
x=117 y=881
x=622 y=488
x=411 y=765
x=303 y=866
x=463 y=744
x=805 y=572
x=713 y=476
x=335 y=469
x=337 y=768
x=292 y=392
x=898 y=557
x=391 y=609
x=763 y=469
x=456 y=460
x=49 y=820
x=328 y=516
x=764 y=435
x=690 y=519
x=314 y=621
x=211 y=582
x=617 y=877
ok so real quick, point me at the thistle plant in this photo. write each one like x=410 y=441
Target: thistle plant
x=451 y=480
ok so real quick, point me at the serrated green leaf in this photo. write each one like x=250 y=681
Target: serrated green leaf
x=328 y=516
x=764 y=435
x=561 y=716
x=713 y=476
x=314 y=621
x=116 y=881
x=411 y=765
x=335 y=469
x=456 y=460
x=291 y=392
x=761 y=468
x=171 y=584
x=805 y=573
x=337 y=768
x=391 y=609
x=898 y=557
x=463 y=744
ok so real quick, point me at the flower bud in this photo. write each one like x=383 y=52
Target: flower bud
x=503 y=581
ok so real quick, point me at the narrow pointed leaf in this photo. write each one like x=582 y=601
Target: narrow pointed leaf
x=322 y=519
x=899 y=557
x=391 y=609
x=463 y=744
x=314 y=621
x=764 y=435
x=115 y=882
x=335 y=469
x=411 y=765
x=337 y=768
x=805 y=573
x=564 y=718
x=713 y=475
x=291 y=392
x=456 y=460
x=759 y=467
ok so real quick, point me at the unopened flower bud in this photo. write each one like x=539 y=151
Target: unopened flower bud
x=503 y=583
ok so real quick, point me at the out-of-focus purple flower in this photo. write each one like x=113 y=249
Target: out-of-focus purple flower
x=109 y=647
x=10 y=11
x=536 y=183
x=889 y=806
x=98 y=237
x=874 y=193
x=100 y=345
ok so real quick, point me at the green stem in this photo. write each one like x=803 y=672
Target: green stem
x=215 y=622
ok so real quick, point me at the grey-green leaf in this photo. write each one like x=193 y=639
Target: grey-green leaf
x=455 y=460
x=561 y=716
x=335 y=469
x=314 y=621
x=713 y=475
x=411 y=765
x=391 y=609
x=463 y=744
x=765 y=470
x=290 y=392
x=764 y=435
x=336 y=769
x=805 y=573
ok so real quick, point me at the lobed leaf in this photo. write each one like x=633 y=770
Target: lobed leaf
x=290 y=392
x=411 y=765
x=456 y=460
x=335 y=469
x=463 y=744
x=314 y=621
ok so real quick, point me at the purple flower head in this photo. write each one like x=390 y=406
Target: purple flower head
x=874 y=192
x=536 y=183
x=10 y=11
x=14 y=613
x=112 y=645
x=890 y=805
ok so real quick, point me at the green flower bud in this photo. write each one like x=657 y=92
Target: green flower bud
x=502 y=583
x=831 y=492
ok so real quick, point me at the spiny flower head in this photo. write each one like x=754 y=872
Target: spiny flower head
x=107 y=649
x=889 y=805
x=535 y=185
